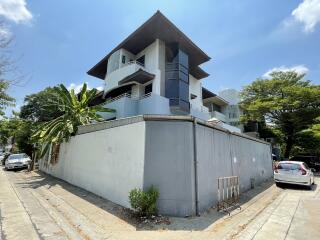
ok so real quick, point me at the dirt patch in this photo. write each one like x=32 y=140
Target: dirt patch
x=144 y=222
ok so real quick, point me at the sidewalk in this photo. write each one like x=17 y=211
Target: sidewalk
x=15 y=221
x=37 y=206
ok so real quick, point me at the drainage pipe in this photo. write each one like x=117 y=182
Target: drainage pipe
x=195 y=163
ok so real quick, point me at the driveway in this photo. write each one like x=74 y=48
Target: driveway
x=37 y=206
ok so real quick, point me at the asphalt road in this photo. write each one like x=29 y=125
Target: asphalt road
x=37 y=206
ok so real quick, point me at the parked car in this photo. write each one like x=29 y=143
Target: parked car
x=15 y=161
x=311 y=161
x=293 y=172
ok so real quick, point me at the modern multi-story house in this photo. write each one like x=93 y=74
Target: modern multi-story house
x=154 y=71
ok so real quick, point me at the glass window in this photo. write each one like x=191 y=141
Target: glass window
x=305 y=166
x=17 y=156
x=123 y=59
x=177 y=77
x=184 y=91
x=148 y=88
x=289 y=166
x=113 y=62
x=172 y=88
x=141 y=60
x=184 y=77
x=183 y=59
x=172 y=75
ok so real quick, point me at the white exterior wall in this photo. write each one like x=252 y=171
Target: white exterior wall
x=195 y=87
x=111 y=158
x=108 y=162
x=152 y=64
x=128 y=56
x=162 y=67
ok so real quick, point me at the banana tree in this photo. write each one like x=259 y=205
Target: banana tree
x=76 y=111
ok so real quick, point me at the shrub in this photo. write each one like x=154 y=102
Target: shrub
x=144 y=203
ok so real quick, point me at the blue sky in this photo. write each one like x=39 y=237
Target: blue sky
x=58 y=41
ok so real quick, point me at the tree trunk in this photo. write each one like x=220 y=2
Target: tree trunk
x=289 y=145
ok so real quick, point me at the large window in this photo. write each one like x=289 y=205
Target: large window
x=148 y=88
x=113 y=62
x=177 y=77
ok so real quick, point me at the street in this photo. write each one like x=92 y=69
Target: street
x=37 y=206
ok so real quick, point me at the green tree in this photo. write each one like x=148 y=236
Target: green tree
x=286 y=101
x=5 y=67
x=19 y=131
x=41 y=106
x=76 y=111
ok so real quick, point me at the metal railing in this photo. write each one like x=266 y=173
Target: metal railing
x=134 y=62
x=199 y=108
x=228 y=193
x=145 y=96
x=128 y=95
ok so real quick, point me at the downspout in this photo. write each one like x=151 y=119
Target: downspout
x=195 y=163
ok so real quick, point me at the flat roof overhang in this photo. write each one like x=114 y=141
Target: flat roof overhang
x=157 y=27
x=207 y=93
x=217 y=100
x=139 y=76
x=198 y=73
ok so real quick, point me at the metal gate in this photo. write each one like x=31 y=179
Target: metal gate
x=228 y=193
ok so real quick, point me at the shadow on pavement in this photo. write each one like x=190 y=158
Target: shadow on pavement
x=40 y=179
x=298 y=187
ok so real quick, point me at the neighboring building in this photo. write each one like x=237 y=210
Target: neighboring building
x=154 y=71
x=233 y=110
x=217 y=107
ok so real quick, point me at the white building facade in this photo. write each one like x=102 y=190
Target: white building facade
x=154 y=71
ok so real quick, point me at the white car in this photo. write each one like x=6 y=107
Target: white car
x=15 y=161
x=293 y=172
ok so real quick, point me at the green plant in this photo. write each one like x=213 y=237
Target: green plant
x=286 y=102
x=76 y=110
x=144 y=202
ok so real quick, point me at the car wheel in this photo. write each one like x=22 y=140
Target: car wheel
x=278 y=184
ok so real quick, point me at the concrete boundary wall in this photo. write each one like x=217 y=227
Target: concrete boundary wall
x=107 y=162
x=180 y=155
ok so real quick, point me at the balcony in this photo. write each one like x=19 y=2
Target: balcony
x=132 y=71
x=218 y=115
x=199 y=111
x=127 y=105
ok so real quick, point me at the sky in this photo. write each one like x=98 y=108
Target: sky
x=59 y=41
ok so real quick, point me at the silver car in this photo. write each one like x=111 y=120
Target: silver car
x=293 y=172
x=15 y=161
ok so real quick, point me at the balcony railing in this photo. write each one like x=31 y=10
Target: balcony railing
x=128 y=95
x=199 y=108
x=134 y=62
x=219 y=115
x=127 y=69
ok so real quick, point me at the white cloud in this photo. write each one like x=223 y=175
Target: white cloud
x=15 y=10
x=300 y=69
x=99 y=88
x=77 y=87
x=4 y=32
x=308 y=13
